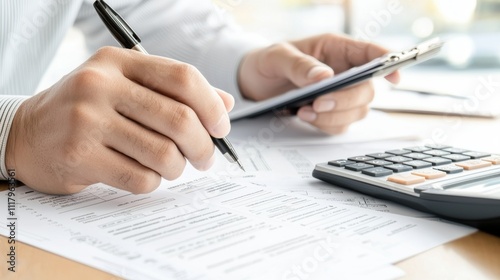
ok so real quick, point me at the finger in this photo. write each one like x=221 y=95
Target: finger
x=394 y=77
x=119 y=171
x=340 y=52
x=345 y=99
x=148 y=147
x=227 y=98
x=176 y=80
x=284 y=60
x=335 y=121
x=170 y=118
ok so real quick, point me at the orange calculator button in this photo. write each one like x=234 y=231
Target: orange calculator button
x=406 y=179
x=429 y=173
x=494 y=159
x=473 y=164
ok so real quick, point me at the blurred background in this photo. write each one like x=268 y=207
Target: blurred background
x=463 y=80
x=471 y=28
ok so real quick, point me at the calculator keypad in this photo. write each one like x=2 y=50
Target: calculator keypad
x=415 y=165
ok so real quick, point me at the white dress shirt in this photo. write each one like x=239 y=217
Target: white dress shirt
x=193 y=31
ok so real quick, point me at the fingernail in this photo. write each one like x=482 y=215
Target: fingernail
x=307 y=116
x=317 y=71
x=222 y=127
x=323 y=106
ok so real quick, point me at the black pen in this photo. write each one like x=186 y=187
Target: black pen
x=128 y=39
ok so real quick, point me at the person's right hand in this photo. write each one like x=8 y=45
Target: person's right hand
x=122 y=118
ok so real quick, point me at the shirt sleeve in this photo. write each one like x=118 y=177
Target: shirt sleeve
x=8 y=109
x=192 y=31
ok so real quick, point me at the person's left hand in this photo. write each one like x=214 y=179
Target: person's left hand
x=281 y=67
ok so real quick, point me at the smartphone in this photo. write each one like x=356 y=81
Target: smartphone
x=289 y=102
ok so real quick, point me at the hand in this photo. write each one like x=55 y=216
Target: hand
x=276 y=69
x=122 y=118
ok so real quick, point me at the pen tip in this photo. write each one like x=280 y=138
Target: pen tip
x=241 y=166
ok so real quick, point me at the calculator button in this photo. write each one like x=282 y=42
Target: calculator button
x=340 y=162
x=429 y=173
x=358 y=166
x=378 y=162
x=399 y=167
x=456 y=157
x=494 y=159
x=473 y=164
x=406 y=179
x=398 y=159
x=436 y=153
x=377 y=171
x=476 y=155
x=418 y=164
x=380 y=155
x=438 y=160
x=360 y=158
x=417 y=156
x=398 y=152
x=418 y=149
x=437 y=146
x=456 y=150
x=450 y=169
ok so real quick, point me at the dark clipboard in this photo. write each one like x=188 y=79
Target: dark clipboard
x=290 y=101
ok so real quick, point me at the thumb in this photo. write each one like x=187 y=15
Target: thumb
x=299 y=68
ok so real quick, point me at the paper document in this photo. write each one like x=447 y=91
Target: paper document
x=441 y=92
x=288 y=168
x=166 y=235
x=220 y=229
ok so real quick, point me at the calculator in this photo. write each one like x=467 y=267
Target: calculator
x=450 y=182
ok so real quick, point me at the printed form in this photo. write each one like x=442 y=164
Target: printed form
x=222 y=228
x=289 y=168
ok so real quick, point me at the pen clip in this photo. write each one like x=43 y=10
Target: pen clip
x=116 y=25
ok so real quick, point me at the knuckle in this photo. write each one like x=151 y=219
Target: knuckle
x=278 y=48
x=163 y=154
x=168 y=160
x=175 y=170
x=147 y=102
x=302 y=62
x=182 y=119
x=185 y=74
x=105 y=52
x=86 y=76
x=86 y=83
x=144 y=181
x=80 y=114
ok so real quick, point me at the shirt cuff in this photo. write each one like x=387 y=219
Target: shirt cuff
x=8 y=109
